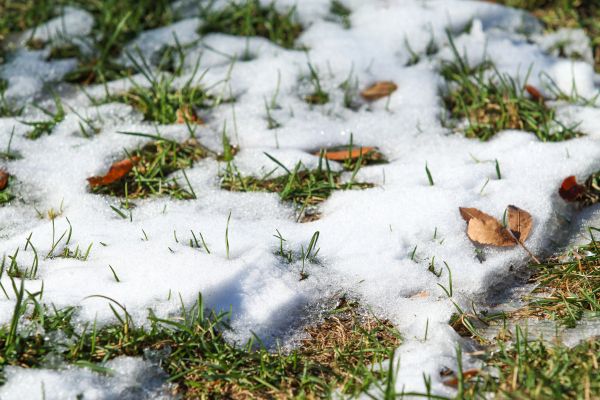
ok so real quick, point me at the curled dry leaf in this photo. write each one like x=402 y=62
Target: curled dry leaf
x=379 y=90
x=351 y=154
x=3 y=179
x=487 y=230
x=534 y=93
x=519 y=223
x=117 y=171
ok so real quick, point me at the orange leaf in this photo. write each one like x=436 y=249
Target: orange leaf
x=343 y=155
x=379 y=90
x=534 y=93
x=117 y=171
x=570 y=190
x=3 y=179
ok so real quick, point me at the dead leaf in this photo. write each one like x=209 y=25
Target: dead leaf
x=379 y=90
x=470 y=373
x=534 y=93
x=485 y=229
x=186 y=113
x=423 y=294
x=570 y=190
x=352 y=154
x=117 y=171
x=519 y=223
x=3 y=179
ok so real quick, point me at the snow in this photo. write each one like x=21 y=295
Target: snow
x=366 y=237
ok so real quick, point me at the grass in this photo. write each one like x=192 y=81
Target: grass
x=116 y=23
x=491 y=102
x=300 y=186
x=574 y=14
x=534 y=369
x=18 y=16
x=340 y=12
x=318 y=96
x=336 y=354
x=40 y=128
x=151 y=174
x=568 y=287
x=250 y=18
x=6 y=108
x=164 y=104
x=6 y=194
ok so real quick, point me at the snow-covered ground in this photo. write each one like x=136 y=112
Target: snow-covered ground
x=367 y=237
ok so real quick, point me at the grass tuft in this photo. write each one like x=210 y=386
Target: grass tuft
x=336 y=354
x=568 y=287
x=151 y=174
x=251 y=18
x=491 y=102
x=534 y=369
x=304 y=188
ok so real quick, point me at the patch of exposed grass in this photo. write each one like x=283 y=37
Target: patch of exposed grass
x=162 y=103
x=116 y=23
x=535 y=370
x=337 y=353
x=572 y=14
x=39 y=128
x=304 y=188
x=491 y=102
x=150 y=176
x=6 y=194
x=250 y=18
x=318 y=96
x=340 y=12
x=568 y=287
x=6 y=108
x=18 y=16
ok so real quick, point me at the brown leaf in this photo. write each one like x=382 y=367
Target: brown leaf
x=117 y=171
x=379 y=90
x=469 y=373
x=3 y=179
x=570 y=190
x=343 y=155
x=468 y=213
x=534 y=93
x=186 y=113
x=519 y=223
x=485 y=229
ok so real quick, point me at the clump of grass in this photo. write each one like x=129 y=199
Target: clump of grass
x=340 y=12
x=6 y=108
x=536 y=370
x=568 y=287
x=250 y=18
x=6 y=194
x=337 y=353
x=47 y=126
x=492 y=102
x=319 y=96
x=162 y=103
x=556 y=14
x=303 y=187
x=116 y=23
x=18 y=16
x=150 y=176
